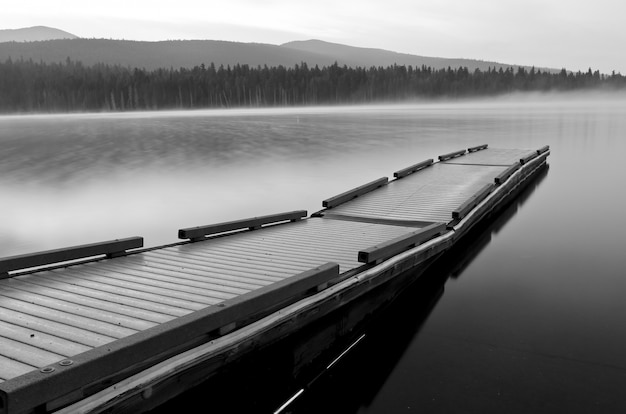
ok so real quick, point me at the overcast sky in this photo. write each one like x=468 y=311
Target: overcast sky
x=575 y=34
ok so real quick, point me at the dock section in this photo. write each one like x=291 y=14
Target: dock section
x=67 y=331
x=434 y=191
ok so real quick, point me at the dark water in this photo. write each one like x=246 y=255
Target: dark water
x=531 y=319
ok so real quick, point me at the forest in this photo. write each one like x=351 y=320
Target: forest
x=37 y=87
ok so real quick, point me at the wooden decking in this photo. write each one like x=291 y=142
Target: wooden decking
x=49 y=317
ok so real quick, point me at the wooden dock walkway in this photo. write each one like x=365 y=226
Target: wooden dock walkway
x=70 y=330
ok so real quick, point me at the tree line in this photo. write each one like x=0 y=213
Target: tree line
x=70 y=86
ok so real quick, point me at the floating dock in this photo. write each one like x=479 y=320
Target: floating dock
x=114 y=326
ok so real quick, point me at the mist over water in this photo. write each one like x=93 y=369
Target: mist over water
x=71 y=179
x=533 y=323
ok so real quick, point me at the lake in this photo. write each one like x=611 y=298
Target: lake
x=529 y=319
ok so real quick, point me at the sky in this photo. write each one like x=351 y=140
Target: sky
x=572 y=34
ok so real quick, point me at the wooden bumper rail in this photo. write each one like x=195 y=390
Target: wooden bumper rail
x=97 y=368
x=543 y=149
x=112 y=248
x=400 y=244
x=472 y=202
x=532 y=154
x=477 y=148
x=354 y=193
x=504 y=175
x=199 y=233
x=527 y=157
x=413 y=168
x=451 y=155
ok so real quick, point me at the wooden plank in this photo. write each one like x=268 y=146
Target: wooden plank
x=27 y=354
x=477 y=148
x=413 y=168
x=47 y=326
x=115 y=290
x=110 y=248
x=466 y=207
x=10 y=368
x=228 y=258
x=91 y=302
x=51 y=343
x=504 y=175
x=202 y=277
x=57 y=304
x=234 y=258
x=451 y=155
x=114 y=298
x=66 y=318
x=138 y=351
x=148 y=277
x=354 y=193
x=205 y=265
x=199 y=232
x=131 y=286
x=399 y=244
x=222 y=269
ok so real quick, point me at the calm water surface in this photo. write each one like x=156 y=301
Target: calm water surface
x=535 y=320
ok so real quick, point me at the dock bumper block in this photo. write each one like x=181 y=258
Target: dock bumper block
x=543 y=149
x=472 y=202
x=399 y=244
x=477 y=148
x=451 y=155
x=528 y=157
x=354 y=193
x=198 y=233
x=504 y=175
x=413 y=168
x=111 y=248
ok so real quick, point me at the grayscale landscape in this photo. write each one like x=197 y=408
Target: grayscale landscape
x=119 y=123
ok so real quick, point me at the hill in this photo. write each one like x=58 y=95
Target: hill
x=33 y=34
x=367 y=57
x=190 y=53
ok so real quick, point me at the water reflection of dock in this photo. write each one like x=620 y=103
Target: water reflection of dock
x=135 y=328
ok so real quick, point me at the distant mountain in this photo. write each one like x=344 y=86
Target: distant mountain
x=190 y=53
x=367 y=57
x=153 y=55
x=34 y=34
